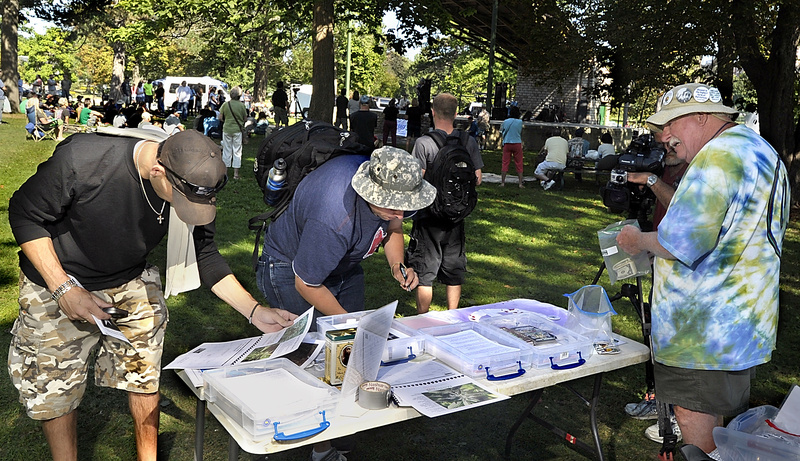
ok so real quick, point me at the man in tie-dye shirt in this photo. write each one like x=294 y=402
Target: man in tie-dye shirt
x=717 y=265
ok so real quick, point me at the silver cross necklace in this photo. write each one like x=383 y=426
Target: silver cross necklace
x=160 y=214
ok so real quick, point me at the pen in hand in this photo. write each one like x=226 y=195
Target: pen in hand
x=404 y=274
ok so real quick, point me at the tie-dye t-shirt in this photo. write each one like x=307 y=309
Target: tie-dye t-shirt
x=715 y=307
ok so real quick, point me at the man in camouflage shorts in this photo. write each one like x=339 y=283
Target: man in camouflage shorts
x=86 y=222
x=61 y=348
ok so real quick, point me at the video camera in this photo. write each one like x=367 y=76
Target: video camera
x=644 y=154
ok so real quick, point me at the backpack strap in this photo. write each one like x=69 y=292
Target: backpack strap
x=260 y=223
x=463 y=137
x=438 y=138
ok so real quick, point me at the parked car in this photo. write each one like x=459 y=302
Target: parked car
x=382 y=103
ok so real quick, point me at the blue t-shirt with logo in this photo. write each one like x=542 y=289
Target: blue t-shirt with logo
x=328 y=229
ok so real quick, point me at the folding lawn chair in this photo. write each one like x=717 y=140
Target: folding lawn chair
x=42 y=131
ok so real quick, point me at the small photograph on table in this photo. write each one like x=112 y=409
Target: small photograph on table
x=460 y=396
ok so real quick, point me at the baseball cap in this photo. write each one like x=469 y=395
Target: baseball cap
x=689 y=98
x=392 y=179
x=196 y=171
x=364 y=99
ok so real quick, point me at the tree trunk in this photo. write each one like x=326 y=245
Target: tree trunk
x=9 y=54
x=261 y=78
x=773 y=79
x=324 y=94
x=725 y=57
x=117 y=71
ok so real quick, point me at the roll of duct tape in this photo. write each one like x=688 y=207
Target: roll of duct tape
x=374 y=395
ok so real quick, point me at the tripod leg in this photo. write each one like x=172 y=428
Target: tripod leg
x=599 y=273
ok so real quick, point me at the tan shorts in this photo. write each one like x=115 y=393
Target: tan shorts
x=49 y=356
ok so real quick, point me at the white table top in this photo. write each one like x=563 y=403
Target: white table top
x=631 y=353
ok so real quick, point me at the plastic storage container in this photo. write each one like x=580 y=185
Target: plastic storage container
x=340 y=321
x=404 y=343
x=478 y=350
x=552 y=345
x=274 y=398
x=477 y=313
x=748 y=437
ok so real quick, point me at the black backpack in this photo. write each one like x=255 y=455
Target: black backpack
x=303 y=146
x=453 y=175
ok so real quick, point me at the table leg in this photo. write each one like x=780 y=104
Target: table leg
x=199 y=429
x=233 y=449
x=598 y=378
x=535 y=396
x=591 y=403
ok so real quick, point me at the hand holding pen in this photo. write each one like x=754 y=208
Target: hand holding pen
x=409 y=279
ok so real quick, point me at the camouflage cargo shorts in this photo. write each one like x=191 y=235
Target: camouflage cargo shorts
x=50 y=355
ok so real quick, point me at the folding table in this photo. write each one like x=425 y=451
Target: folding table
x=535 y=380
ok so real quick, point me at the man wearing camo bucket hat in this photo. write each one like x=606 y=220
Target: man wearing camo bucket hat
x=718 y=248
x=340 y=214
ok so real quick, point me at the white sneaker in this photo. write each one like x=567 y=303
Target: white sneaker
x=652 y=432
x=542 y=183
x=549 y=184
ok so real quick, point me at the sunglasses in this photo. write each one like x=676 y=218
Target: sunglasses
x=200 y=191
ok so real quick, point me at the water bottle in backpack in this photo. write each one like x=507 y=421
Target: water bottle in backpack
x=276 y=181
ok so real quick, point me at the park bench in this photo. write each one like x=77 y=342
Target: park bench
x=578 y=167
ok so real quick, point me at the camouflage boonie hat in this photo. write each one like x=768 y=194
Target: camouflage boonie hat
x=392 y=179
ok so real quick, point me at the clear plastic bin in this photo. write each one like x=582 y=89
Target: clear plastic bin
x=273 y=398
x=748 y=437
x=557 y=348
x=493 y=355
x=404 y=343
x=340 y=321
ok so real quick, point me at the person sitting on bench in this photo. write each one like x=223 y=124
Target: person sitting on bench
x=556 y=148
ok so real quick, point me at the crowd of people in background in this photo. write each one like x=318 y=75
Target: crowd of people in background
x=51 y=105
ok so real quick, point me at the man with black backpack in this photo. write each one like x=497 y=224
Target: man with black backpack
x=452 y=163
x=341 y=213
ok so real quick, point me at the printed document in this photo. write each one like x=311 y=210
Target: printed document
x=264 y=347
x=434 y=389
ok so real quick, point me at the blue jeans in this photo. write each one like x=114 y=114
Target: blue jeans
x=275 y=279
x=184 y=108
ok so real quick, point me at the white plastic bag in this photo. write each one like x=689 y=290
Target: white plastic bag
x=620 y=264
x=590 y=313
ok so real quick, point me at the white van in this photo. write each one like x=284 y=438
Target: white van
x=171 y=85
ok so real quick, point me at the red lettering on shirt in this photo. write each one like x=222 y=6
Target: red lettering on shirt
x=380 y=234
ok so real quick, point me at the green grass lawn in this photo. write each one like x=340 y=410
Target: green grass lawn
x=522 y=243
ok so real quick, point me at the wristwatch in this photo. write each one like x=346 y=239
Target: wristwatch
x=64 y=288
x=651 y=180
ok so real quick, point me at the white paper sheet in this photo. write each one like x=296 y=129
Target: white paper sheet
x=264 y=347
x=788 y=418
x=470 y=342
x=435 y=389
x=109 y=328
x=368 y=346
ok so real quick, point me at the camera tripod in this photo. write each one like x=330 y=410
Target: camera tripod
x=635 y=294
x=298 y=109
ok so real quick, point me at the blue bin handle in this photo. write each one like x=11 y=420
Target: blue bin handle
x=411 y=356
x=281 y=437
x=580 y=362
x=519 y=372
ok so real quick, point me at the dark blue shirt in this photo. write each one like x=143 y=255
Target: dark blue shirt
x=328 y=229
